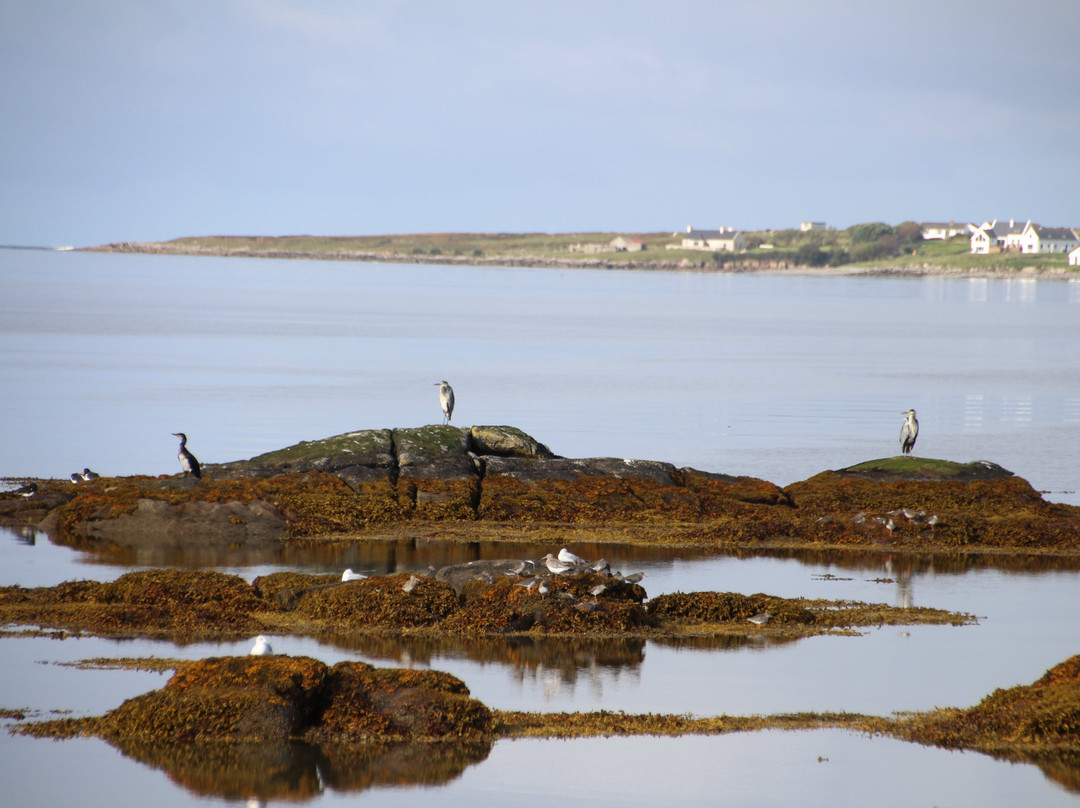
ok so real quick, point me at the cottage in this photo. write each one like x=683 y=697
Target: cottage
x=806 y=227
x=1074 y=257
x=1039 y=239
x=725 y=239
x=944 y=230
x=620 y=244
x=996 y=236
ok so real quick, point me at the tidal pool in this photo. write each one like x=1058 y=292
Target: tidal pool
x=1026 y=625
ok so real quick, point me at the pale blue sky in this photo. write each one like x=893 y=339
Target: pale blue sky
x=148 y=121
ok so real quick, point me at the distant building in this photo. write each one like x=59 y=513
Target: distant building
x=806 y=227
x=996 y=236
x=725 y=239
x=945 y=230
x=1074 y=257
x=620 y=244
x=617 y=244
x=1039 y=239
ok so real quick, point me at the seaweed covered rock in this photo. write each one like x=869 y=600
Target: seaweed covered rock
x=183 y=604
x=268 y=699
x=723 y=607
x=934 y=503
x=362 y=703
x=1044 y=715
x=277 y=698
x=380 y=602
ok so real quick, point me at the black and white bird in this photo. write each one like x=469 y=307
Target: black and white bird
x=88 y=475
x=27 y=490
x=187 y=460
x=446 y=400
x=76 y=477
x=908 y=432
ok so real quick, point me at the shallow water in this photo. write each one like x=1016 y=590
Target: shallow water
x=779 y=377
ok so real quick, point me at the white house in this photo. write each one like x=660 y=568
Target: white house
x=806 y=227
x=993 y=236
x=726 y=238
x=1039 y=239
x=945 y=230
x=1074 y=257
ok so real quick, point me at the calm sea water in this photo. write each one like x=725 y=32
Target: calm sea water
x=103 y=356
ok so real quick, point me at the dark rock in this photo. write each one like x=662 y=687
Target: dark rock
x=571 y=470
x=157 y=523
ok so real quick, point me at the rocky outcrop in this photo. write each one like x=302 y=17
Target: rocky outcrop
x=497 y=477
x=274 y=699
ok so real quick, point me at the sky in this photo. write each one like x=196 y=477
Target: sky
x=126 y=121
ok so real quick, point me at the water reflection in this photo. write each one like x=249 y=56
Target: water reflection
x=300 y=772
x=554 y=663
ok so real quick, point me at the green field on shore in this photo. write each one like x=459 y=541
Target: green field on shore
x=875 y=246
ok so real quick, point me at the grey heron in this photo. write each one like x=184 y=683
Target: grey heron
x=908 y=432
x=187 y=460
x=446 y=400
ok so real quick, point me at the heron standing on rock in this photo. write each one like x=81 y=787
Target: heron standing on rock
x=908 y=432
x=187 y=460
x=446 y=400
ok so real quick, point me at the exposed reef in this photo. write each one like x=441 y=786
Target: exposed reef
x=188 y=606
x=502 y=482
x=279 y=726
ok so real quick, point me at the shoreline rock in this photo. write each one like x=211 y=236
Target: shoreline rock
x=500 y=480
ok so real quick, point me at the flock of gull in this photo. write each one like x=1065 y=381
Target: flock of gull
x=531 y=575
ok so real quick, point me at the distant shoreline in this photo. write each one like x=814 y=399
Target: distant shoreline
x=738 y=265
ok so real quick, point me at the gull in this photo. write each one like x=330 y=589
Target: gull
x=349 y=575
x=760 y=619
x=519 y=568
x=556 y=566
x=567 y=557
x=410 y=585
x=261 y=647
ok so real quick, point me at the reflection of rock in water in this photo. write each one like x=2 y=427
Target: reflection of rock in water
x=565 y=659
x=300 y=771
x=252 y=709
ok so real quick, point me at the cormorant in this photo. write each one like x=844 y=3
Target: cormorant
x=187 y=460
